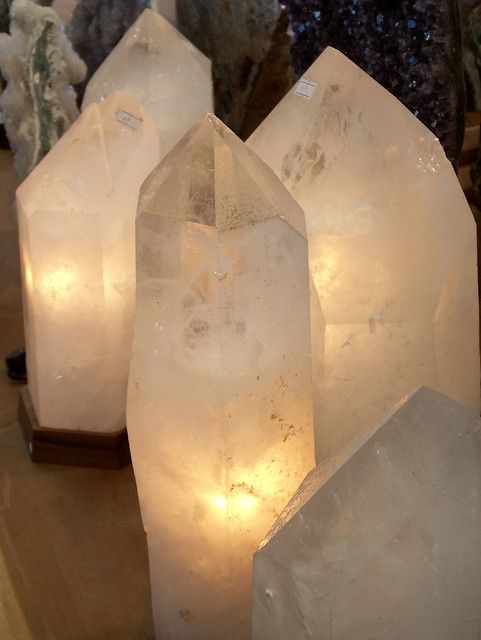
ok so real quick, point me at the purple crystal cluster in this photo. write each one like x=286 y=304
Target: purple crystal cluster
x=411 y=47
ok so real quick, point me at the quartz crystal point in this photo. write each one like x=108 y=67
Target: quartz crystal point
x=77 y=221
x=413 y=48
x=98 y=25
x=219 y=405
x=39 y=65
x=392 y=246
x=382 y=541
x=166 y=73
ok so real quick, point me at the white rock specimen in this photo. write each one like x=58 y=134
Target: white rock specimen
x=163 y=70
x=219 y=407
x=39 y=65
x=236 y=36
x=382 y=541
x=392 y=246
x=76 y=216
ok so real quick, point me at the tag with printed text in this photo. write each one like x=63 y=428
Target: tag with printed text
x=129 y=119
x=306 y=89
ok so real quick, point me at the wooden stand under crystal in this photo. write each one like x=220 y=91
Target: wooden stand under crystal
x=77 y=448
x=76 y=215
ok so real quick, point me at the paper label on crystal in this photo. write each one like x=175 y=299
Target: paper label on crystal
x=168 y=77
x=129 y=119
x=306 y=89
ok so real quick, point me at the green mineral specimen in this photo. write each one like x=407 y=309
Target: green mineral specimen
x=39 y=65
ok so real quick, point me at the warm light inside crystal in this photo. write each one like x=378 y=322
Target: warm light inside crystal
x=219 y=408
x=76 y=215
x=240 y=504
x=60 y=281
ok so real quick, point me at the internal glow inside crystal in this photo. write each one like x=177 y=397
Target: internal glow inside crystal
x=163 y=70
x=219 y=405
x=77 y=220
x=392 y=246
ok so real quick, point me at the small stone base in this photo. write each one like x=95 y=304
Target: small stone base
x=75 y=448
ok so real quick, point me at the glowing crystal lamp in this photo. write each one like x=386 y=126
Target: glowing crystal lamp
x=392 y=246
x=219 y=403
x=163 y=70
x=77 y=221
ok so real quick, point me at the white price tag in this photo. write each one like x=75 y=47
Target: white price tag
x=129 y=119
x=306 y=89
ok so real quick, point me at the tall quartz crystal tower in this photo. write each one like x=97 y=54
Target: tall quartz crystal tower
x=392 y=247
x=77 y=220
x=163 y=70
x=219 y=404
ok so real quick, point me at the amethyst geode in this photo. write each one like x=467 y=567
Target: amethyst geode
x=411 y=47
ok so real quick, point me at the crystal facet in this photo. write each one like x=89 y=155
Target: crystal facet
x=392 y=247
x=382 y=541
x=97 y=26
x=163 y=70
x=219 y=407
x=76 y=218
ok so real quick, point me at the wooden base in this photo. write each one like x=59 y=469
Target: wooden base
x=75 y=448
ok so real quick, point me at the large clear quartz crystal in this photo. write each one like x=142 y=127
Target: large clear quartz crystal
x=381 y=541
x=392 y=246
x=163 y=70
x=77 y=222
x=219 y=405
x=97 y=26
